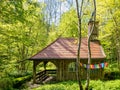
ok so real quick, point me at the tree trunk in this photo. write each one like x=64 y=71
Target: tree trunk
x=89 y=50
x=79 y=44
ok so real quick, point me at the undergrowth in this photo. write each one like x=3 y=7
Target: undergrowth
x=73 y=85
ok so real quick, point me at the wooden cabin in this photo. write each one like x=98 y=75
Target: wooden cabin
x=63 y=53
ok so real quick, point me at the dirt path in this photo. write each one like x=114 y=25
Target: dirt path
x=32 y=86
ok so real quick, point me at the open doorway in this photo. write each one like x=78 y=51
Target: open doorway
x=51 y=71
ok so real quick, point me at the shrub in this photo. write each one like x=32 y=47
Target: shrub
x=112 y=75
x=16 y=74
x=6 y=84
x=19 y=81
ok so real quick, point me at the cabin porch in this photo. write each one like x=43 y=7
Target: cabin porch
x=65 y=70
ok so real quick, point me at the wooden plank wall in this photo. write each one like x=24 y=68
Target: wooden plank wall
x=67 y=75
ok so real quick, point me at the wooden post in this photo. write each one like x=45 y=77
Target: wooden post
x=60 y=71
x=63 y=71
x=34 y=72
x=45 y=64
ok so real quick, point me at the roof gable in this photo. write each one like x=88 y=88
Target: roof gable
x=66 y=48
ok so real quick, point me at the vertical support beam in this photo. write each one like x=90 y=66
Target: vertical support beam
x=45 y=64
x=45 y=67
x=58 y=70
x=61 y=70
x=34 y=72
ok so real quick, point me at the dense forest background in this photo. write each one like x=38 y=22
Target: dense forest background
x=27 y=26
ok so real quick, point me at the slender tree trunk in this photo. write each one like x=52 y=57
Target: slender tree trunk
x=79 y=44
x=89 y=50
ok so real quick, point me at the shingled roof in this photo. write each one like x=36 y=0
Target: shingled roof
x=66 y=48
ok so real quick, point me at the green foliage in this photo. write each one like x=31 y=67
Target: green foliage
x=109 y=30
x=6 y=84
x=68 y=23
x=105 y=85
x=72 y=85
x=14 y=81
x=16 y=74
x=111 y=72
x=112 y=67
x=68 y=26
x=21 y=80
x=23 y=33
x=59 y=86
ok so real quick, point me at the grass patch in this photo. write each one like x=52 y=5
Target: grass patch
x=73 y=85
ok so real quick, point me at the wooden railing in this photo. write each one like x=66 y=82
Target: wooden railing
x=41 y=76
x=52 y=71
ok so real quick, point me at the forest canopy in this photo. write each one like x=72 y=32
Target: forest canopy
x=27 y=26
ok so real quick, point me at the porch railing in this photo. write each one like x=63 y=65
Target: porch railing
x=42 y=75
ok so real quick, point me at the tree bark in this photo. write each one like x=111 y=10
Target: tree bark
x=89 y=50
x=79 y=44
